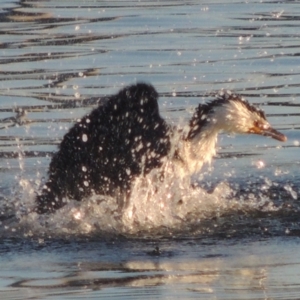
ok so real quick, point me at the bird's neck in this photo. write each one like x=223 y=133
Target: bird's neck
x=199 y=150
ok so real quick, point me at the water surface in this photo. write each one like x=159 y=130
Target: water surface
x=58 y=59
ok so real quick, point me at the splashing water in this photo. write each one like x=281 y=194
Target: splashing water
x=156 y=208
x=170 y=207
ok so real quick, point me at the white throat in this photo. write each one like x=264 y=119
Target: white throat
x=199 y=150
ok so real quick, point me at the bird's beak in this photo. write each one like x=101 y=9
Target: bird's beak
x=269 y=131
x=273 y=133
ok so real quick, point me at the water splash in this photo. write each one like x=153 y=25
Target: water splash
x=175 y=206
x=172 y=208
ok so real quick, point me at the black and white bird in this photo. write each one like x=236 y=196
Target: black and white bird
x=125 y=138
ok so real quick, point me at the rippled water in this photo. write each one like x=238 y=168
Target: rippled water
x=58 y=58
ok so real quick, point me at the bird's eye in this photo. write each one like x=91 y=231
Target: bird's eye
x=264 y=126
x=260 y=125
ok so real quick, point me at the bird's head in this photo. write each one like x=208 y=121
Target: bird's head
x=232 y=114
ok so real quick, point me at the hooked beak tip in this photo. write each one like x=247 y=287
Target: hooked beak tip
x=284 y=139
x=273 y=133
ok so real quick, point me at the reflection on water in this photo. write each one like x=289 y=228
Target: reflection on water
x=211 y=270
x=60 y=58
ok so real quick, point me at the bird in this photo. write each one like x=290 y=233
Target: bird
x=125 y=137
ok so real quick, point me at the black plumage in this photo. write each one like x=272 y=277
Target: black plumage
x=106 y=149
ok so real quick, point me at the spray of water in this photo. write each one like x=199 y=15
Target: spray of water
x=156 y=207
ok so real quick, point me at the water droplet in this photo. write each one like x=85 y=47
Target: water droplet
x=277 y=14
x=84 y=137
x=289 y=189
x=259 y=164
x=77 y=215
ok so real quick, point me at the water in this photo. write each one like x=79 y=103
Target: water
x=240 y=241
